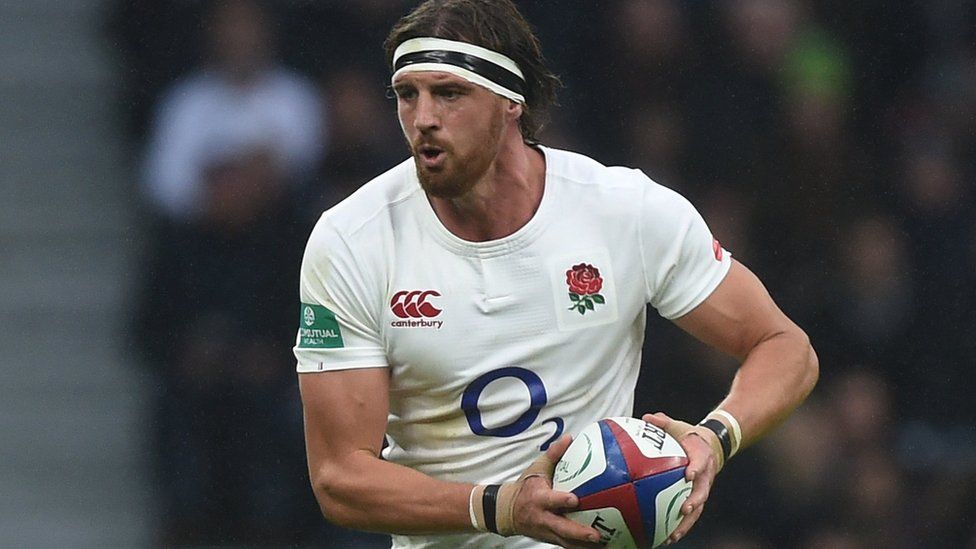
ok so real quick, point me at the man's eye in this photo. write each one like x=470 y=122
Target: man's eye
x=405 y=94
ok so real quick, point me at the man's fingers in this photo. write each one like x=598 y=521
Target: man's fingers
x=701 y=469
x=573 y=532
x=685 y=525
x=658 y=419
x=701 y=472
x=543 y=509
x=560 y=502
x=698 y=496
x=700 y=479
x=701 y=486
x=700 y=456
x=696 y=467
x=558 y=448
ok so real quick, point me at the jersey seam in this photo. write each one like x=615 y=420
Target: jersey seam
x=359 y=266
x=675 y=264
x=383 y=208
x=700 y=297
x=640 y=244
x=591 y=183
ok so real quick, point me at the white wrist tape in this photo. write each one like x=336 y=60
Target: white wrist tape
x=474 y=519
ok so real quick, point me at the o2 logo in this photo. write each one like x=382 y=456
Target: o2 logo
x=537 y=399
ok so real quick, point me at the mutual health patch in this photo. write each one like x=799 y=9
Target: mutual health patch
x=318 y=328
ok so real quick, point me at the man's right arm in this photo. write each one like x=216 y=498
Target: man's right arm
x=346 y=405
x=345 y=421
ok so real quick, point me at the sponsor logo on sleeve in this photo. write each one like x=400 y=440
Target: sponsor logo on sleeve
x=318 y=328
x=415 y=309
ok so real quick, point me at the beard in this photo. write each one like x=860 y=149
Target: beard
x=459 y=171
x=457 y=175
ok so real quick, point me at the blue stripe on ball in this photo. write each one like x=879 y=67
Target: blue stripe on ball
x=616 y=472
x=647 y=491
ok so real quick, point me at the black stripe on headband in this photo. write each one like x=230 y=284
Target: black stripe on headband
x=477 y=65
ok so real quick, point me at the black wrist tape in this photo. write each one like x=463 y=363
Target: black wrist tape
x=722 y=433
x=489 y=504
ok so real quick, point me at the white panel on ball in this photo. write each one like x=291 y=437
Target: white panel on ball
x=649 y=444
x=610 y=523
x=667 y=505
x=588 y=453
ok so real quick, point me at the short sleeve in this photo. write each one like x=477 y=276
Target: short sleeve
x=683 y=262
x=337 y=328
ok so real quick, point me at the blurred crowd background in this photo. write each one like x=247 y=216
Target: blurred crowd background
x=831 y=146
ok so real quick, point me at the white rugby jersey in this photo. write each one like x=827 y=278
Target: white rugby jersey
x=496 y=348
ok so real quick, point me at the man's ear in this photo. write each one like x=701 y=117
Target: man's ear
x=514 y=110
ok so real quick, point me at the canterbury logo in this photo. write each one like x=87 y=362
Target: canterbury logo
x=414 y=304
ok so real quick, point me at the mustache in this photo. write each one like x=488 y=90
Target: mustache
x=420 y=145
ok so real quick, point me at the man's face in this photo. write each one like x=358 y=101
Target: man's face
x=454 y=129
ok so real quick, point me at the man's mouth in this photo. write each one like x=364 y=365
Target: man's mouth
x=430 y=154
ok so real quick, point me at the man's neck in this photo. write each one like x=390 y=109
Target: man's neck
x=503 y=201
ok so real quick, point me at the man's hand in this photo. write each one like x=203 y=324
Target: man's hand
x=530 y=507
x=705 y=460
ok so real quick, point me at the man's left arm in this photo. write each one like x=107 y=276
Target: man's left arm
x=779 y=369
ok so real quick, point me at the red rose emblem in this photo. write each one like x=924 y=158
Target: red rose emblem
x=584 y=283
x=584 y=279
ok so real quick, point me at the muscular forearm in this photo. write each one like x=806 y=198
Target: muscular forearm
x=364 y=492
x=345 y=418
x=775 y=378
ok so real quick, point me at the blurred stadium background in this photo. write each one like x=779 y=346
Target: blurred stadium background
x=161 y=163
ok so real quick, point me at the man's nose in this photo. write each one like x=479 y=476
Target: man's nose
x=426 y=116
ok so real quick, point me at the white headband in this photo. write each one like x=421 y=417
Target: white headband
x=480 y=66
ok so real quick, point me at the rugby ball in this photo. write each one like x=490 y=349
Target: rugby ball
x=629 y=477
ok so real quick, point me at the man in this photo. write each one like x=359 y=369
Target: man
x=243 y=103
x=484 y=299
